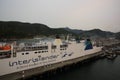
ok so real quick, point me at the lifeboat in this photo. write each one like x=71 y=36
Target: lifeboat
x=5 y=48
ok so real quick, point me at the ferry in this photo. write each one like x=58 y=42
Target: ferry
x=20 y=56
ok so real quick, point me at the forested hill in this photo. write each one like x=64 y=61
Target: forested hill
x=13 y=29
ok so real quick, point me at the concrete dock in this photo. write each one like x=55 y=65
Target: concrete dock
x=39 y=70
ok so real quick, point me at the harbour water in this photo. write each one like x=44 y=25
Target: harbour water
x=99 y=69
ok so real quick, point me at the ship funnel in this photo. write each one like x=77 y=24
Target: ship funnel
x=57 y=40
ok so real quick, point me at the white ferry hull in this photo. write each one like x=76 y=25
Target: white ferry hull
x=33 y=60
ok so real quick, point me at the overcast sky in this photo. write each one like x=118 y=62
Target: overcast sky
x=75 y=14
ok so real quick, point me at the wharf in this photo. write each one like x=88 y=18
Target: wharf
x=40 y=70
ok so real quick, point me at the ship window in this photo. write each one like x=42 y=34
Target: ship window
x=5 y=55
x=27 y=53
x=29 y=47
x=53 y=47
x=39 y=52
x=45 y=47
x=0 y=54
x=42 y=47
x=14 y=54
x=22 y=53
x=63 y=46
x=35 y=52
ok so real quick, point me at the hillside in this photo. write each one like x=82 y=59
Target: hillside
x=98 y=33
x=92 y=33
x=14 y=29
x=118 y=35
